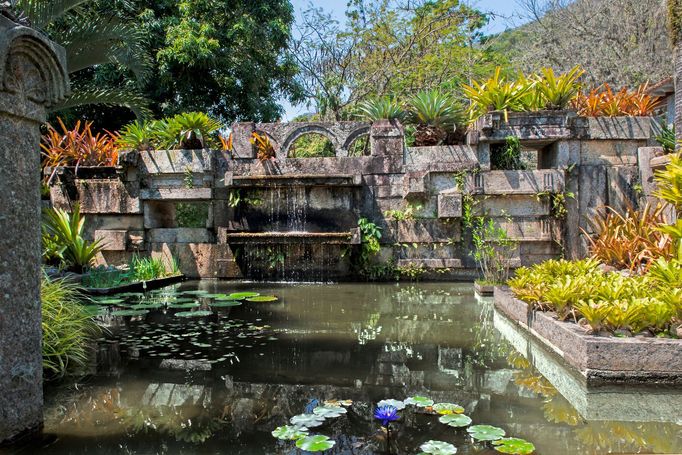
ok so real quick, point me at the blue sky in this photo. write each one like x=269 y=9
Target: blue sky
x=507 y=14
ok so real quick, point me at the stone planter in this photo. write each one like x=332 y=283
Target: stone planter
x=527 y=126
x=484 y=289
x=600 y=360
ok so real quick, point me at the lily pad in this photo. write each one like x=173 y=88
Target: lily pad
x=290 y=432
x=329 y=412
x=448 y=408
x=224 y=304
x=262 y=299
x=399 y=405
x=184 y=305
x=193 y=314
x=242 y=295
x=197 y=292
x=129 y=312
x=514 y=445
x=420 y=402
x=307 y=420
x=486 y=432
x=147 y=306
x=214 y=296
x=455 y=420
x=438 y=448
x=317 y=443
x=108 y=301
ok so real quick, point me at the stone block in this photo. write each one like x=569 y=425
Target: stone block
x=440 y=158
x=414 y=184
x=176 y=161
x=450 y=204
x=428 y=231
x=621 y=193
x=112 y=240
x=100 y=196
x=431 y=263
x=241 y=140
x=621 y=128
x=559 y=155
x=180 y=235
x=521 y=182
x=593 y=192
x=610 y=152
x=513 y=206
x=529 y=229
x=176 y=194
x=197 y=260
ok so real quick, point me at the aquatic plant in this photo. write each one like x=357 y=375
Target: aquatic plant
x=329 y=412
x=262 y=298
x=486 y=432
x=290 y=433
x=419 y=401
x=514 y=446
x=455 y=420
x=68 y=328
x=317 y=443
x=307 y=420
x=242 y=295
x=438 y=448
x=448 y=408
x=399 y=405
x=386 y=414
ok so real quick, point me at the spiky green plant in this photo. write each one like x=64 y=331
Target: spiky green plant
x=67 y=230
x=68 y=328
x=558 y=91
x=139 y=135
x=498 y=94
x=664 y=134
x=386 y=108
x=146 y=268
x=193 y=130
x=434 y=113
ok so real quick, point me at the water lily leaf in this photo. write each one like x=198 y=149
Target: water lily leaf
x=514 y=445
x=214 y=296
x=225 y=303
x=290 y=432
x=108 y=301
x=242 y=295
x=317 y=443
x=421 y=402
x=329 y=412
x=262 y=298
x=197 y=292
x=184 y=305
x=455 y=420
x=486 y=432
x=193 y=314
x=147 y=306
x=129 y=312
x=307 y=420
x=438 y=448
x=344 y=403
x=399 y=405
x=181 y=300
x=448 y=408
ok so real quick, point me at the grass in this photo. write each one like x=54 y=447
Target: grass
x=68 y=328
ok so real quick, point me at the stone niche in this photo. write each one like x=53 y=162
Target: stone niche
x=33 y=77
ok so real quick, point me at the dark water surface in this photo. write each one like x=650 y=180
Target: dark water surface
x=220 y=384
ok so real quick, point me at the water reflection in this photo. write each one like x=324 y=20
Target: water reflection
x=172 y=392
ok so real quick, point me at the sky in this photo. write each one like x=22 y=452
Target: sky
x=507 y=14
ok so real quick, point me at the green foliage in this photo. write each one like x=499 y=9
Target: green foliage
x=403 y=215
x=65 y=230
x=105 y=277
x=669 y=182
x=664 y=134
x=493 y=250
x=556 y=92
x=146 y=268
x=191 y=214
x=189 y=131
x=514 y=445
x=68 y=328
x=436 y=109
x=605 y=301
x=385 y=108
x=370 y=234
x=508 y=156
x=312 y=145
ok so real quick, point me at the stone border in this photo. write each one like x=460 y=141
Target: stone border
x=600 y=360
x=137 y=286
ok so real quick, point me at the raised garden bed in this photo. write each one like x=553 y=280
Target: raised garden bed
x=600 y=360
x=139 y=286
x=484 y=289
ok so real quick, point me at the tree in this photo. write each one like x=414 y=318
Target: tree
x=92 y=37
x=675 y=30
x=620 y=42
x=396 y=47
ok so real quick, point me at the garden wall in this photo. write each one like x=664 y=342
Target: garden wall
x=273 y=218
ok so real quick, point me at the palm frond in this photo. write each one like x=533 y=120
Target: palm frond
x=95 y=41
x=41 y=13
x=109 y=97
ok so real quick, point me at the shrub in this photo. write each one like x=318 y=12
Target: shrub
x=65 y=230
x=507 y=156
x=493 y=250
x=604 y=102
x=78 y=146
x=669 y=182
x=146 y=269
x=498 y=94
x=631 y=240
x=665 y=136
x=189 y=131
x=193 y=130
x=435 y=114
x=138 y=136
x=67 y=327
x=386 y=108
x=556 y=92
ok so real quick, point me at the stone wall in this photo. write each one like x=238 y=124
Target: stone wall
x=582 y=164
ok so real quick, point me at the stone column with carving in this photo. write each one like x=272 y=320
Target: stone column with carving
x=33 y=77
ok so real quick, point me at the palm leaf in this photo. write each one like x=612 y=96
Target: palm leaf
x=109 y=97
x=41 y=13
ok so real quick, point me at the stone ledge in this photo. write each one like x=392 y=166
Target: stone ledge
x=599 y=359
x=660 y=162
x=176 y=194
x=431 y=263
x=428 y=231
x=176 y=161
x=179 y=235
x=517 y=182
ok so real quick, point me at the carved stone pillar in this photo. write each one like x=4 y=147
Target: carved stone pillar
x=387 y=140
x=32 y=77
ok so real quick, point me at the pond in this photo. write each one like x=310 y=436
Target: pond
x=222 y=383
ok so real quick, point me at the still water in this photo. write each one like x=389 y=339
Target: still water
x=220 y=384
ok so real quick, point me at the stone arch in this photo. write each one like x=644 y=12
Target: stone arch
x=32 y=68
x=283 y=152
x=352 y=137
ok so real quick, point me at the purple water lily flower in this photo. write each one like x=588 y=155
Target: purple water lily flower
x=386 y=414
